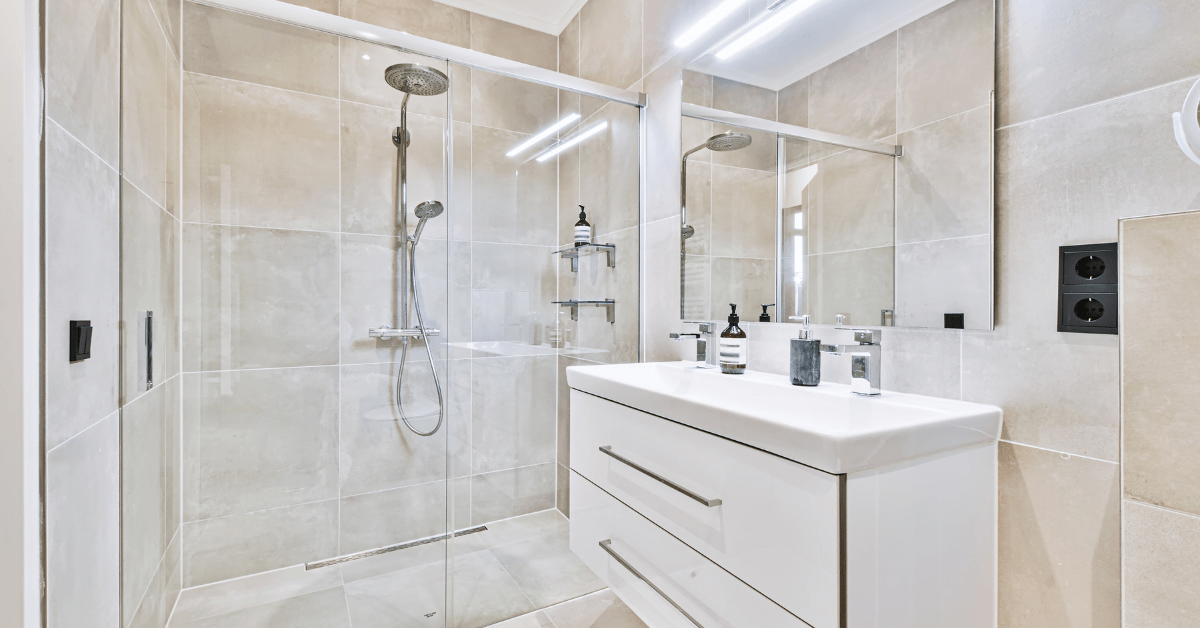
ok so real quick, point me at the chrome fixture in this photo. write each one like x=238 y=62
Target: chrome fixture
x=1187 y=124
x=345 y=558
x=865 y=361
x=706 y=344
x=608 y=304
x=721 y=142
x=607 y=450
x=606 y=545
x=572 y=253
x=412 y=79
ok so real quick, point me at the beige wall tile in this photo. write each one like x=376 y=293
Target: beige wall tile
x=83 y=72
x=150 y=431
x=363 y=66
x=934 y=278
x=1059 y=540
x=610 y=42
x=922 y=361
x=695 y=293
x=514 y=423
x=743 y=212
x=850 y=203
x=1158 y=256
x=240 y=545
x=568 y=48
x=155 y=608
x=511 y=290
x=150 y=103
x=170 y=19
x=326 y=6
x=281 y=311
x=603 y=341
x=700 y=199
x=513 y=492
x=512 y=104
x=496 y=37
x=378 y=451
x=83 y=533
x=82 y=248
x=743 y=98
x=237 y=46
x=793 y=103
x=562 y=498
x=368 y=170
x=1162 y=567
x=944 y=180
x=569 y=200
x=609 y=163
x=149 y=282
x=697 y=88
x=695 y=133
x=946 y=63
x=427 y=18
x=370 y=297
x=1050 y=59
x=259 y=439
x=259 y=156
x=856 y=95
x=857 y=284
x=461 y=202
x=514 y=198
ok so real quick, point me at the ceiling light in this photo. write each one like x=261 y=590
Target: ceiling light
x=708 y=21
x=541 y=136
x=765 y=28
x=573 y=141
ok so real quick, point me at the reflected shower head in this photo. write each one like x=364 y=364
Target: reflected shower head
x=425 y=211
x=416 y=79
x=727 y=141
x=429 y=209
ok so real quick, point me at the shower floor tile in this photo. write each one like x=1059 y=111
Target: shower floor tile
x=520 y=573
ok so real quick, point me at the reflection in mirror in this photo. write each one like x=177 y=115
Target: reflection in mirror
x=844 y=234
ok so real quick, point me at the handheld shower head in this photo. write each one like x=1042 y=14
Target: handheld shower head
x=416 y=79
x=425 y=211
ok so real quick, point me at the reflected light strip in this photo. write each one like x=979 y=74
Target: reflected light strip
x=573 y=141
x=765 y=28
x=541 y=136
x=708 y=21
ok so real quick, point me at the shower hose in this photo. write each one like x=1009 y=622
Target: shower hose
x=416 y=293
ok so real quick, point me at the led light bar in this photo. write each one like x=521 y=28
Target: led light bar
x=573 y=141
x=543 y=135
x=708 y=21
x=765 y=28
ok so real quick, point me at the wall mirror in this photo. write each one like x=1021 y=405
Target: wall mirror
x=838 y=163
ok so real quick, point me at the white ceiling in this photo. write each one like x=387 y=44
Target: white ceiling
x=826 y=32
x=547 y=16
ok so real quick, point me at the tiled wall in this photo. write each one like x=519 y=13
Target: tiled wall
x=1083 y=139
x=112 y=250
x=1159 y=399
x=291 y=450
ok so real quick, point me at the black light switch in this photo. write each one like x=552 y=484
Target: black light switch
x=955 y=320
x=81 y=340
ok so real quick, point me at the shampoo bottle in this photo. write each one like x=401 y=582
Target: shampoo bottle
x=734 y=345
x=583 y=230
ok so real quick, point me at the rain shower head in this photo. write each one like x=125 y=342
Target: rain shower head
x=727 y=141
x=416 y=79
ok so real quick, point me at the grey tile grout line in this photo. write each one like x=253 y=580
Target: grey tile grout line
x=1104 y=101
x=554 y=605
x=1174 y=511
x=1055 y=451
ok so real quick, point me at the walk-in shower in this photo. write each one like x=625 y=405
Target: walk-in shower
x=420 y=80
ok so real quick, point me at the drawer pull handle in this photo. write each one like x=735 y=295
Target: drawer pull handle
x=606 y=545
x=607 y=450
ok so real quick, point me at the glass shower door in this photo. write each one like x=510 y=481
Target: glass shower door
x=298 y=463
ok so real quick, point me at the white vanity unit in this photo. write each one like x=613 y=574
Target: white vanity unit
x=717 y=500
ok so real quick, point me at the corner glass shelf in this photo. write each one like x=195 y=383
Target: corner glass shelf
x=572 y=253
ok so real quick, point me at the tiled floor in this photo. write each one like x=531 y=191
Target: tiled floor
x=520 y=573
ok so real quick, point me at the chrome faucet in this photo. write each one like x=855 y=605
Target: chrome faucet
x=706 y=345
x=865 y=361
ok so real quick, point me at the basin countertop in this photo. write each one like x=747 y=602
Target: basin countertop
x=826 y=427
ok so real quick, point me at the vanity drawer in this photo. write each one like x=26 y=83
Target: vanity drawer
x=614 y=541
x=771 y=522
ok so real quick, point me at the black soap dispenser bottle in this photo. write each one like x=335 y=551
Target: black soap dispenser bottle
x=806 y=357
x=734 y=346
x=583 y=230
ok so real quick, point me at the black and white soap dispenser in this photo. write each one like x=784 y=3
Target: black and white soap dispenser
x=806 y=357
x=734 y=346
x=583 y=230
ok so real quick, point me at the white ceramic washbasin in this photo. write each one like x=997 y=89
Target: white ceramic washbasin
x=826 y=426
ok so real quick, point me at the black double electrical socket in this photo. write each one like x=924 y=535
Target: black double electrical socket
x=1087 y=288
